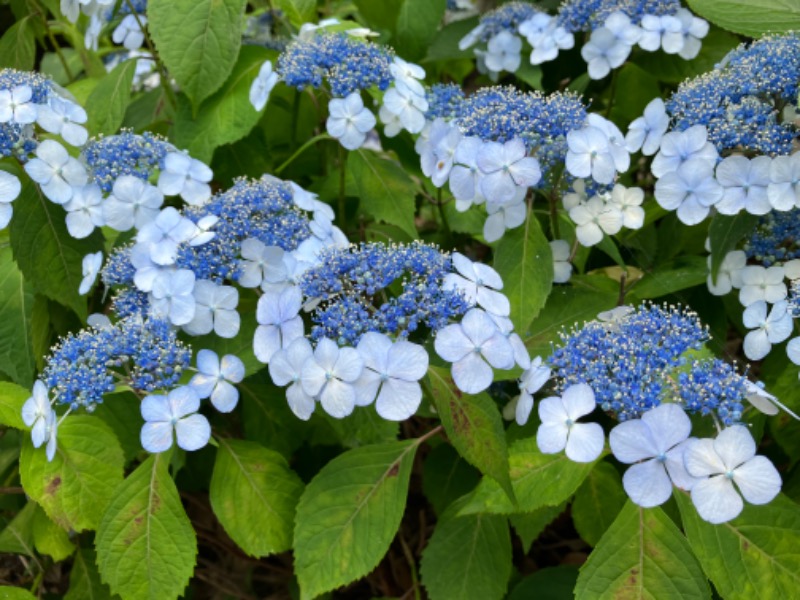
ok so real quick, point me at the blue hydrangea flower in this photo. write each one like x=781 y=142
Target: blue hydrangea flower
x=127 y=153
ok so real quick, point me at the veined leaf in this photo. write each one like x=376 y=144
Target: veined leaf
x=16 y=311
x=750 y=17
x=109 y=99
x=18 y=46
x=598 y=502
x=12 y=397
x=84 y=579
x=417 y=23
x=724 y=233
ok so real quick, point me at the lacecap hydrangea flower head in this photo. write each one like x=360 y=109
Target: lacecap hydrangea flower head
x=646 y=368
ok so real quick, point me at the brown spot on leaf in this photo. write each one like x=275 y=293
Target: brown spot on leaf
x=393 y=471
x=53 y=486
x=460 y=420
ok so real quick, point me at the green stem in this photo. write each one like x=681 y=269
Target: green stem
x=342 y=185
x=300 y=150
x=442 y=214
x=554 y=229
x=613 y=92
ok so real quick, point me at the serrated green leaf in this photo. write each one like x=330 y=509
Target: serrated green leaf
x=17 y=537
x=76 y=486
x=475 y=428
x=109 y=100
x=537 y=479
x=146 y=546
x=84 y=579
x=446 y=476
x=49 y=538
x=467 y=558
x=198 y=40
x=757 y=555
x=417 y=23
x=724 y=234
x=12 y=397
x=121 y=411
x=254 y=494
x=529 y=525
x=48 y=256
x=642 y=555
x=225 y=117
x=598 y=502
x=349 y=514
x=18 y=46
x=385 y=189
x=525 y=262
x=750 y=17
x=299 y=11
x=550 y=583
x=16 y=310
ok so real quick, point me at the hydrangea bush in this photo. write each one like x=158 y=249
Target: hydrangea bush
x=421 y=298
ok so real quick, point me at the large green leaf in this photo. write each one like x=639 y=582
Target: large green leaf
x=525 y=262
x=677 y=275
x=14 y=593
x=16 y=309
x=349 y=514
x=757 y=555
x=529 y=525
x=446 y=476
x=109 y=100
x=474 y=426
x=379 y=15
x=750 y=17
x=417 y=23
x=48 y=256
x=198 y=40
x=724 y=234
x=467 y=558
x=385 y=189
x=12 y=397
x=84 y=579
x=538 y=480
x=225 y=117
x=121 y=411
x=76 y=486
x=299 y=11
x=17 y=537
x=18 y=46
x=642 y=555
x=254 y=494
x=145 y=543
x=598 y=502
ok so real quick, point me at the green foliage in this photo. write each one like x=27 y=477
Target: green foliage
x=750 y=17
x=17 y=536
x=145 y=543
x=18 y=46
x=81 y=480
x=642 y=555
x=467 y=557
x=109 y=100
x=597 y=502
x=724 y=233
x=755 y=555
x=49 y=258
x=16 y=311
x=349 y=513
x=299 y=11
x=12 y=397
x=49 y=538
x=417 y=23
x=198 y=40
x=254 y=494
x=84 y=578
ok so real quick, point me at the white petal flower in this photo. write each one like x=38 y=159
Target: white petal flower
x=730 y=273
x=744 y=182
x=629 y=201
x=594 y=218
x=129 y=32
x=185 y=176
x=10 y=188
x=65 y=118
x=530 y=382
x=262 y=86
x=16 y=105
x=589 y=155
x=768 y=329
x=479 y=283
x=172 y=296
x=132 y=203
x=759 y=283
x=90 y=268
x=349 y=121
x=465 y=175
x=176 y=412
x=562 y=268
x=286 y=367
x=783 y=191
x=330 y=374
x=691 y=190
x=408 y=106
x=38 y=414
x=647 y=131
x=56 y=171
x=560 y=430
x=260 y=263
x=678 y=147
x=215 y=379
x=279 y=321
x=503 y=52
x=163 y=235
x=506 y=167
x=215 y=310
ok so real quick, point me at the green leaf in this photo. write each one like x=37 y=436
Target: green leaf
x=49 y=538
x=724 y=233
x=254 y=494
x=17 y=537
x=417 y=23
x=385 y=189
x=225 y=117
x=677 y=275
x=145 y=543
x=550 y=583
x=750 y=17
x=379 y=15
x=537 y=479
x=598 y=502
x=444 y=45
x=121 y=411
x=299 y=11
x=467 y=558
x=475 y=428
x=198 y=40
x=13 y=593
x=16 y=310
x=84 y=579
x=349 y=514
x=48 y=256
x=565 y=307
x=525 y=262
x=76 y=486
x=358 y=429
x=446 y=476
x=267 y=417
x=12 y=397
x=642 y=555
x=757 y=555
x=18 y=46
x=109 y=100
x=529 y=525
